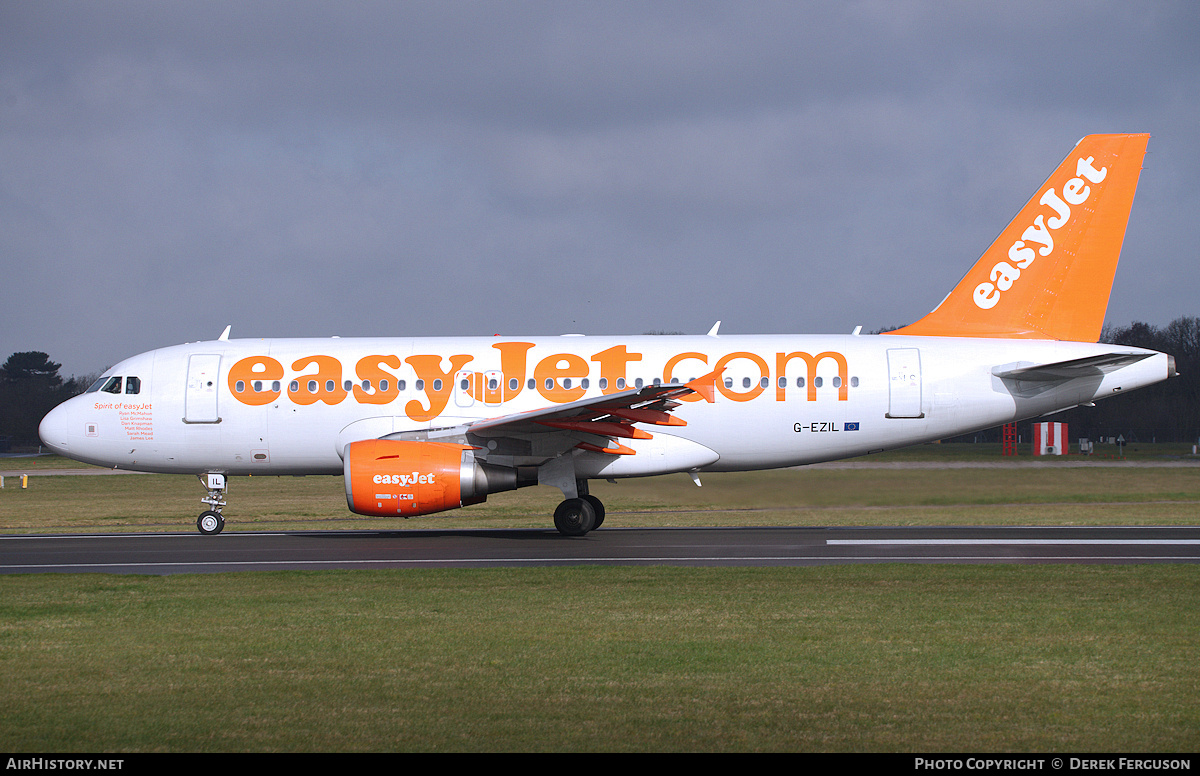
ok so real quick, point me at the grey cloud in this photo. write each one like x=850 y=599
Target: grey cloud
x=454 y=168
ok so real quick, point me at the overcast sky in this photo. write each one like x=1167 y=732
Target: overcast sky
x=406 y=168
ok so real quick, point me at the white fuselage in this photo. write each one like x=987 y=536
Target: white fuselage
x=290 y=406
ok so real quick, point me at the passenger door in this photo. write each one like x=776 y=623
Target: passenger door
x=904 y=383
x=200 y=399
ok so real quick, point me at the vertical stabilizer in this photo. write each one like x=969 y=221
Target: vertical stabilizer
x=1049 y=273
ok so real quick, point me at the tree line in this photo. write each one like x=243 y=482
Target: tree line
x=30 y=386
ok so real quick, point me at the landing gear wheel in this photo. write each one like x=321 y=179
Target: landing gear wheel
x=210 y=523
x=598 y=508
x=574 y=517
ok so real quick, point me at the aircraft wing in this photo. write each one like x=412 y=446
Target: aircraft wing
x=595 y=420
x=1068 y=370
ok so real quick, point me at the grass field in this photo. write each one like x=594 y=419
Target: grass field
x=1063 y=658
x=1053 y=492
x=854 y=658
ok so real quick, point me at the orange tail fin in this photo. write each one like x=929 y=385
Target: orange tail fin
x=1049 y=273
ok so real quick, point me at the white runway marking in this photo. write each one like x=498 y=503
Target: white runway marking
x=998 y=542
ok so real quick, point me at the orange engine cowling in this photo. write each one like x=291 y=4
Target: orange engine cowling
x=387 y=477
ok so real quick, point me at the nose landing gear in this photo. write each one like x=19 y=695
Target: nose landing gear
x=211 y=521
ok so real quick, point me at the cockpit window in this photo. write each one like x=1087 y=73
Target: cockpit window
x=113 y=385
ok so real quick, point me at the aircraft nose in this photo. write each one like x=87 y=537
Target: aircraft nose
x=55 y=428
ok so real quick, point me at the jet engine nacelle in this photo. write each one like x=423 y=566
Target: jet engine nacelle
x=388 y=477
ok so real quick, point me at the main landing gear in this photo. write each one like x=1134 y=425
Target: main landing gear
x=211 y=521
x=576 y=516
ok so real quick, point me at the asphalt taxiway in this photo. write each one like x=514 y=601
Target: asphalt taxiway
x=192 y=553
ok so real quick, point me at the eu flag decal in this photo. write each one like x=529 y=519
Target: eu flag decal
x=850 y=427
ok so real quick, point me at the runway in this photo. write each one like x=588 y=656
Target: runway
x=188 y=553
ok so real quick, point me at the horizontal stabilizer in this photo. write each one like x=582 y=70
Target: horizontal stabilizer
x=1069 y=370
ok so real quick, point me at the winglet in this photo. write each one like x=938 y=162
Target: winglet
x=1049 y=273
x=225 y=334
x=706 y=386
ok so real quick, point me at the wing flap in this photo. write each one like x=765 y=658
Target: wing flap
x=610 y=417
